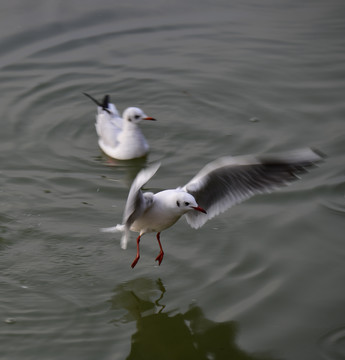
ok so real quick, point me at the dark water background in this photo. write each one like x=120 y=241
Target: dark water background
x=264 y=280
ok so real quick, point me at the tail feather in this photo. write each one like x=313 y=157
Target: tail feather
x=113 y=229
x=119 y=228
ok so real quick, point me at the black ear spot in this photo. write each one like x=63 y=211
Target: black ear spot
x=178 y=203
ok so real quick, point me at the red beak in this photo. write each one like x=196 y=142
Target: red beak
x=200 y=209
x=149 y=118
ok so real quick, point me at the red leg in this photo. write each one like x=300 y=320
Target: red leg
x=138 y=253
x=159 y=258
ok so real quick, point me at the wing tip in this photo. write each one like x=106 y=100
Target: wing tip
x=319 y=153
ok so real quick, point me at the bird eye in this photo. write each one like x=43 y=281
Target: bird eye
x=137 y=116
x=186 y=203
x=178 y=203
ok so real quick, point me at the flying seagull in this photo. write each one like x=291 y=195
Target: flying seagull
x=221 y=184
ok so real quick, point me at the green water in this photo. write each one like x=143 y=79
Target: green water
x=265 y=280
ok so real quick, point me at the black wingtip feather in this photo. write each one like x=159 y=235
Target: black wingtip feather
x=320 y=153
x=93 y=99
x=105 y=102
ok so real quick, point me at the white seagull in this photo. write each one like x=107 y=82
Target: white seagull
x=218 y=186
x=120 y=138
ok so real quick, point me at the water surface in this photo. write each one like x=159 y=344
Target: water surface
x=261 y=281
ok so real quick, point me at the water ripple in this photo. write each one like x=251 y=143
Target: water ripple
x=335 y=190
x=333 y=344
x=203 y=72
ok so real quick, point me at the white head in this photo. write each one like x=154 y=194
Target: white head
x=135 y=115
x=184 y=202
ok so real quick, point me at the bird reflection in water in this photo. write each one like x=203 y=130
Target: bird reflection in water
x=165 y=335
x=126 y=170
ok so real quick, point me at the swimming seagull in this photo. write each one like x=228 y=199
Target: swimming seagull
x=218 y=186
x=120 y=138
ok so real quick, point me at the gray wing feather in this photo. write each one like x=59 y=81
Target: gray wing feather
x=230 y=180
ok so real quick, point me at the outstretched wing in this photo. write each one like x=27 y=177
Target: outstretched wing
x=137 y=202
x=231 y=180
